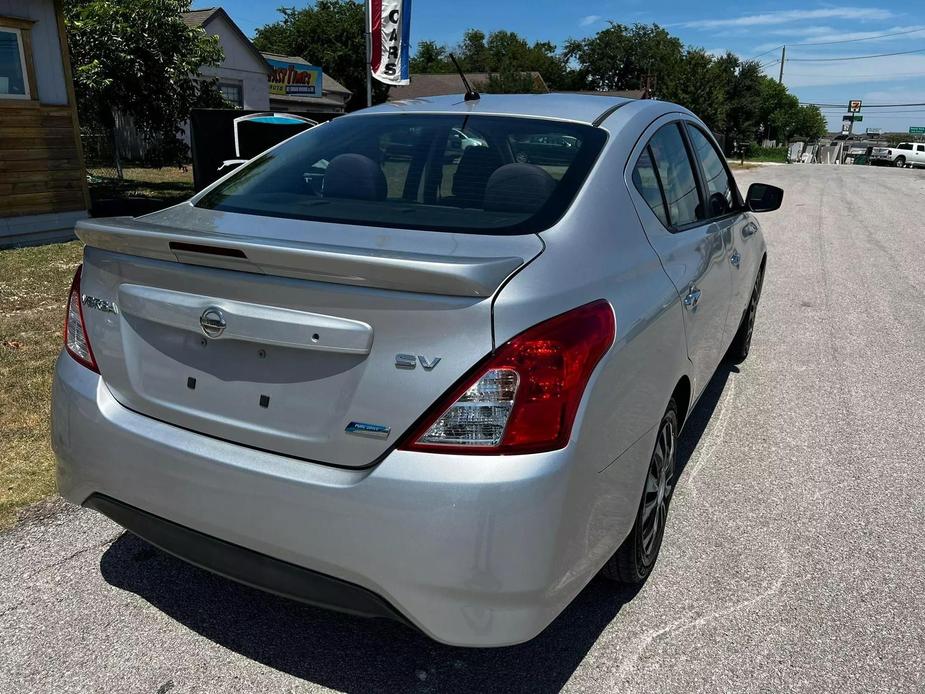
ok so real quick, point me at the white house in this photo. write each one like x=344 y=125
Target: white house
x=242 y=76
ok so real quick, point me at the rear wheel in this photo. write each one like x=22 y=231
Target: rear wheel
x=742 y=342
x=633 y=561
x=900 y=162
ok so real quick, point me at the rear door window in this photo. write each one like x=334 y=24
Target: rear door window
x=645 y=178
x=676 y=174
x=465 y=174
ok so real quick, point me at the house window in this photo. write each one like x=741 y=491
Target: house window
x=14 y=80
x=232 y=92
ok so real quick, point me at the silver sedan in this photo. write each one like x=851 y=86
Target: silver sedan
x=444 y=387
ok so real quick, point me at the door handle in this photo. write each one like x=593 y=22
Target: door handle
x=735 y=258
x=692 y=298
x=749 y=229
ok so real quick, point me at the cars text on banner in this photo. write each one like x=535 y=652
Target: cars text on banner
x=390 y=36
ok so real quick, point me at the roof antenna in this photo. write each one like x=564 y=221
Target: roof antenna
x=471 y=94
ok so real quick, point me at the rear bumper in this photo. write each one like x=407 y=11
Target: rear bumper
x=475 y=551
x=244 y=565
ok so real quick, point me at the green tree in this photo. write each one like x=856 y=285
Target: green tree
x=499 y=52
x=430 y=59
x=329 y=34
x=779 y=111
x=744 y=99
x=810 y=124
x=138 y=57
x=510 y=81
x=704 y=85
x=620 y=57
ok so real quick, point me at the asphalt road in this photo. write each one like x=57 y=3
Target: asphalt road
x=793 y=560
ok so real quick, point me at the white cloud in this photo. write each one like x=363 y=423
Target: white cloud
x=788 y=16
x=589 y=20
x=873 y=71
x=823 y=34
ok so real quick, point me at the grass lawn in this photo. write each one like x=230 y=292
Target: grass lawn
x=168 y=182
x=33 y=284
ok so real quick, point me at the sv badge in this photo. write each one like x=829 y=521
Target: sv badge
x=409 y=361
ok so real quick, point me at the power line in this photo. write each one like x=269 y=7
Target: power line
x=842 y=105
x=877 y=75
x=854 y=57
x=832 y=43
x=776 y=48
x=865 y=38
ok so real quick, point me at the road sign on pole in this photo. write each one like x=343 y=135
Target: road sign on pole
x=854 y=105
x=917 y=130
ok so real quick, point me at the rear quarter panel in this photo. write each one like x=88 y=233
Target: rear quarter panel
x=598 y=250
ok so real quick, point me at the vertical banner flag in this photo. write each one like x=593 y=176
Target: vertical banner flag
x=390 y=37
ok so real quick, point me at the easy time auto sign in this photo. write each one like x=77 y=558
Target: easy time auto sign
x=291 y=78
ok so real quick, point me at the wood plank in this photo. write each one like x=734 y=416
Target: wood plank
x=41 y=203
x=34 y=153
x=56 y=174
x=38 y=130
x=19 y=142
x=15 y=168
x=56 y=110
x=36 y=120
x=47 y=186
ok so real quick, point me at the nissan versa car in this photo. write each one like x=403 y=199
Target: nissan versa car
x=445 y=389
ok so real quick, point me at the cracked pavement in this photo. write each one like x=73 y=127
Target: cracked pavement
x=793 y=559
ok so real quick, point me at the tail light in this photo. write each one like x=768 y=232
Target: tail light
x=76 y=341
x=523 y=397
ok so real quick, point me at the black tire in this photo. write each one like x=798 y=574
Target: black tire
x=899 y=162
x=633 y=561
x=742 y=342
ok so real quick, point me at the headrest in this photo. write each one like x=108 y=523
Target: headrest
x=354 y=176
x=518 y=188
x=475 y=166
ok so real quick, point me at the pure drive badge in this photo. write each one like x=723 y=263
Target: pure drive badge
x=364 y=429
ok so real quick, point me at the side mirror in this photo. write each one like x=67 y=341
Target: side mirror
x=762 y=197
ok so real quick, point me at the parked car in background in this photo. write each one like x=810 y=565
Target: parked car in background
x=905 y=154
x=445 y=393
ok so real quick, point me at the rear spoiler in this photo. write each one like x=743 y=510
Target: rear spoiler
x=401 y=271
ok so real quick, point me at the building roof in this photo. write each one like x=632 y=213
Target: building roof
x=426 y=84
x=625 y=94
x=203 y=17
x=198 y=18
x=581 y=108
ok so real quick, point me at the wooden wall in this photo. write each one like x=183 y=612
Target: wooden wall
x=40 y=167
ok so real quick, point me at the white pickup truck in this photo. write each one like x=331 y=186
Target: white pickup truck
x=904 y=154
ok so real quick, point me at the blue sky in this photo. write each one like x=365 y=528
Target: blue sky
x=750 y=29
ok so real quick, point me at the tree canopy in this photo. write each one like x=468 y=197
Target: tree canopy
x=731 y=95
x=331 y=34
x=139 y=58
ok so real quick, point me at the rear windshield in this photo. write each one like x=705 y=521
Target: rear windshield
x=470 y=174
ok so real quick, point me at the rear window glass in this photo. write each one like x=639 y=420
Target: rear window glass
x=904 y=145
x=470 y=174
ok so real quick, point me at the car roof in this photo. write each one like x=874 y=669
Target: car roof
x=580 y=108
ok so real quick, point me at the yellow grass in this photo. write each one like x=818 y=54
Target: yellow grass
x=33 y=291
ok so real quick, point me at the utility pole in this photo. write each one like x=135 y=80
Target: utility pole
x=783 y=57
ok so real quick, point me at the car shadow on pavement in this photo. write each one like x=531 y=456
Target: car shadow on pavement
x=353 y=654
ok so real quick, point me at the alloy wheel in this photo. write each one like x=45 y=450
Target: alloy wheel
x=659 y=486
x=752 y=311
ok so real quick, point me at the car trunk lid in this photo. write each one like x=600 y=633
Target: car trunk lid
x=288 y=341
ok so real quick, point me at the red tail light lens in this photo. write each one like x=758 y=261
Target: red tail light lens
x=76 y=341
x=523 y=397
